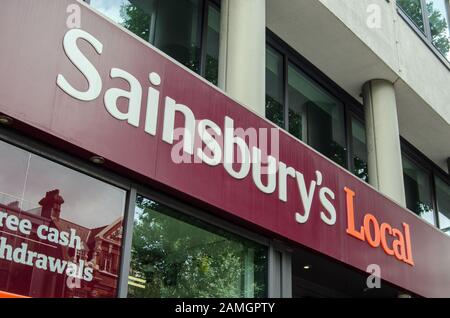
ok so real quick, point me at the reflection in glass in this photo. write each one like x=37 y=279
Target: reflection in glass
x=177 y=30
x=325 y=116
x=175 y=256
x=443 y=204
x=438 y=17
x=173 y=26
x=297 y=105
x=274 y=87
x=418 y=191
x=413 y=10
x=56 y=199
x=359 y=149
x=212 y=45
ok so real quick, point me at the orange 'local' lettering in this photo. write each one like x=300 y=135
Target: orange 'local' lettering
x=375 y=234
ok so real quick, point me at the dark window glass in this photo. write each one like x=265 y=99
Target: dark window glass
x=418 y=191
x=177 y=256
x=177 y=30
x=173 y=26
x=314 y=116
x=359 y=150
x=325 y=117
x=274 y=87
x=438 y=17
x=297 y=103
x=413 y=10
x=443 y=203
x=212 y=45
x=72 y=247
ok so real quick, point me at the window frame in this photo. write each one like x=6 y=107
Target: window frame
x=195 y=212
x=433 y=171
x=425 y=35
x=352 y=107
x=85 y=167
x=202 y=32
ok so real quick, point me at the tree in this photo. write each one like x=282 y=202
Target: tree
x=438 y=22
x=177 y=259
x=135 y=20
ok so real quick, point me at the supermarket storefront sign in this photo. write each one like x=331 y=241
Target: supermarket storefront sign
x=99 y=90
x=232 y=151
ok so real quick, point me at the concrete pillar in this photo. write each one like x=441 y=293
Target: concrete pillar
x=242 y=58
x=383 y=140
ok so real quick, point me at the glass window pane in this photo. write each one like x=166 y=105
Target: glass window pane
x=176 y=256
x=297 y=103
x=133 y=15
x=325 y=116
x=212 y=45
x=438 y=17
x=359 y=149
x=173 y=25
x=443 y=201
x=418 y=191
x=274 y=87
x=413 y=10
x=73 y=242
x=177 y=30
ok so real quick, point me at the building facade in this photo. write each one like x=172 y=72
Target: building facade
x=225 y=148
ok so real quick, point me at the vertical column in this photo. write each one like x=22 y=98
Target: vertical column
x=280 y=271
x=242 y=58
x=383 y=139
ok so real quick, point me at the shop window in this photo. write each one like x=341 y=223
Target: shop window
x=418 y=190
x=359 y=149
x=174 y=255
x=431 y=17
x=55 y=226
x=174 y=26
x=443 y=204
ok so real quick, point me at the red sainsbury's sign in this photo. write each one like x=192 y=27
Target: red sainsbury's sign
x=248 y=159
x=107 y=92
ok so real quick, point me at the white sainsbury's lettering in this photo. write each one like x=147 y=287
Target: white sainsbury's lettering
x=307 y=190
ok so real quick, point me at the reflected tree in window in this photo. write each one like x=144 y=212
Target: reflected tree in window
x=177 y=259
x=136 y=20
x=274 y=111
x=439 y=28
x=437 y=18
x=414 y=11
x=361 y=169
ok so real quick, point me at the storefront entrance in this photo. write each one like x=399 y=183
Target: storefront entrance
x=315 y=276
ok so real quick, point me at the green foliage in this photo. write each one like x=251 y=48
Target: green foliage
x=181 y=260
x=135 y=20
x=438 y=23
x=274 y=111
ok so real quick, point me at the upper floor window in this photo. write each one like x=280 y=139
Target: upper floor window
x=427 y=188
x=187 y=30
x=418 y=190
x=302 y=106
x=431 y=17
x=443 y=204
